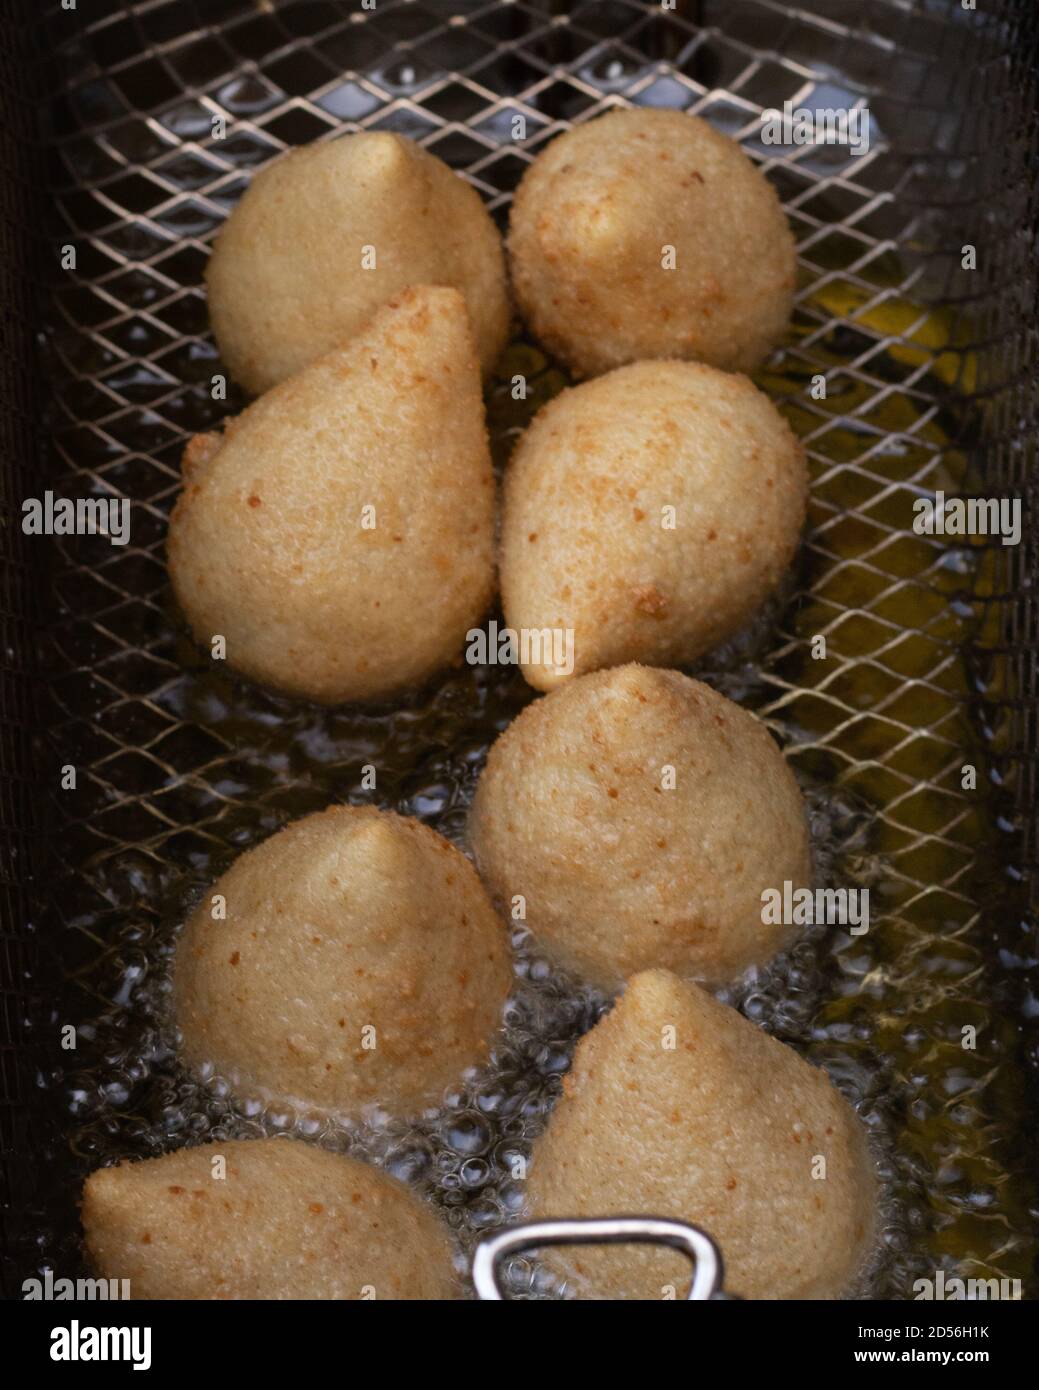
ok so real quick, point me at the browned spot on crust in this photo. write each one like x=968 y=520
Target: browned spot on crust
x=199 y=449
x=649 y=600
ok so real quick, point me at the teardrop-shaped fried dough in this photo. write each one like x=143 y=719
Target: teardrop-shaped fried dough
x=651 y=512
x=263 y=1218
x=649 y=234
x=677 y=1106
x=353 y=958
x=327 y=234
x=339 y=535
x=641 y=815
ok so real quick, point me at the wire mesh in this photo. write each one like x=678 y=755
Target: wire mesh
x=157 y=113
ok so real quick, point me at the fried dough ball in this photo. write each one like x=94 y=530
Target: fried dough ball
x=648 y=234
x=263 y=1218
x=327 y=234
x=339 y=534
x=650 y=512
x=676 y=1106
x=640 y=815
x=354 y=958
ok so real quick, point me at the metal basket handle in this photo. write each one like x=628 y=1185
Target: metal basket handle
x=701 y=1250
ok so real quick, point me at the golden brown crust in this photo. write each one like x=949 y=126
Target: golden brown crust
x=604 y=211
x=678 y=1106
x=340 y=533
x=358 y=961
x=622 y=865
x=290 y=278
x=263 y=1218
x=198 y=452
x=651 y=511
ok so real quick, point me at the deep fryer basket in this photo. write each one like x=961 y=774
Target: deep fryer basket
x=109 y=144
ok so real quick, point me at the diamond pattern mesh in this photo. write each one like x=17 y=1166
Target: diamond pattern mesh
x=159 y=111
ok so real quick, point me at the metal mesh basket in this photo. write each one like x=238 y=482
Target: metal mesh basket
x=931 y=643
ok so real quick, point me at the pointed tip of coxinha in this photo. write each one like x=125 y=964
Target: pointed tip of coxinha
x=381 y=153
x=429 y=323
x=423 y=334
x=420 y=338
